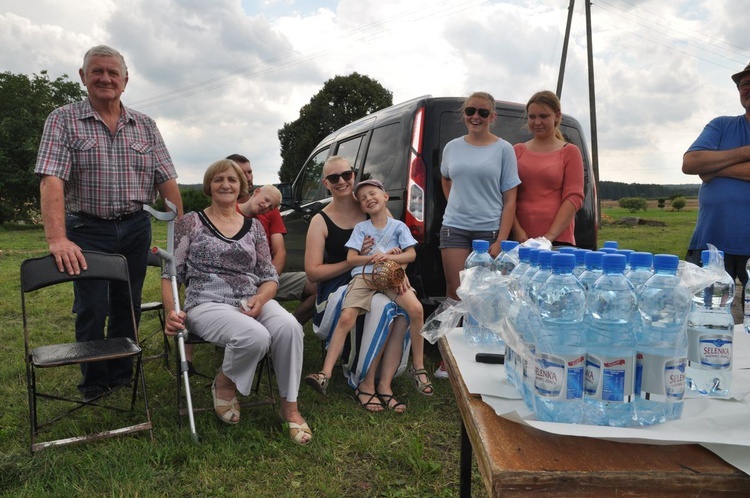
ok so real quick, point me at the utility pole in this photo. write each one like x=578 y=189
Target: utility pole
x=592 y=99
x=592 y=92
x=564 y=58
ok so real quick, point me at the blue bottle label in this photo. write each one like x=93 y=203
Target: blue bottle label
x=712 y=352
x=610 y=378
x=559 y=377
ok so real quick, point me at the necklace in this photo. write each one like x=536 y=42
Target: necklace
x=221 y=218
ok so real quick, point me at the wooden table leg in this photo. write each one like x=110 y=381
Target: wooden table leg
x=465 y=465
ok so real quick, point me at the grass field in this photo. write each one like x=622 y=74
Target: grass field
x=354 y=453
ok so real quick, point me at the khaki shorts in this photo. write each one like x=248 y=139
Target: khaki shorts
x=359 y=295
x=291 y=286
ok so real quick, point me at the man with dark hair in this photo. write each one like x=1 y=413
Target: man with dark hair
x=99 y=162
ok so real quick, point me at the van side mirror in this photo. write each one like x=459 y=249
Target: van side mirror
x=287 y=199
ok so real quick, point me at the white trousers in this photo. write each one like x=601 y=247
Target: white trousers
x=246 y=340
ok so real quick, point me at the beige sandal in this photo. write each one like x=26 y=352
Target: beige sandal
x=423 y=387
x=228 y=411
x=297 y=433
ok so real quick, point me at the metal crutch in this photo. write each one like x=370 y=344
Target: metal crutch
x=168 y=257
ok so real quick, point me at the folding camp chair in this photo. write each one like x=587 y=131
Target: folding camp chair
x=36 y=274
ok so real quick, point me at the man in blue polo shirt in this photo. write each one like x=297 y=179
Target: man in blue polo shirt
x=721 y=157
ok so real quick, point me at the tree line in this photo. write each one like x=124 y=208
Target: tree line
x=617 y=190
x=26 y=101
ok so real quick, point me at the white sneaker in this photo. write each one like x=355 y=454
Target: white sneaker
x=441 y=372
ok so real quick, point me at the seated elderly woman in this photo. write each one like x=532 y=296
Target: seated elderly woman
x=224 y=260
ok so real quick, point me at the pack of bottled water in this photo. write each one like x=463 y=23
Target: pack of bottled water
x=611 y=337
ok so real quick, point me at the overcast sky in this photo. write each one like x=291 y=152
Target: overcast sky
x=222 y=76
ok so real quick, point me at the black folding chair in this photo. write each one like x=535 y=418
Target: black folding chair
x=36 y=274
x=156 y=307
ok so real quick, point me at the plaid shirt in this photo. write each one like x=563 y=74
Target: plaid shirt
x=105 y=175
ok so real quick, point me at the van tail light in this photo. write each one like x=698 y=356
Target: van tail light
x=415 y=190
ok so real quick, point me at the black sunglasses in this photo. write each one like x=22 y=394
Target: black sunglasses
x=334 y=178
x=483 y=113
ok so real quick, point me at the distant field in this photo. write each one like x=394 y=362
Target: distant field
x=672 y=238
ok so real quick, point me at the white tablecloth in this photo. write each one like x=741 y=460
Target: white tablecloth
x=720 y=425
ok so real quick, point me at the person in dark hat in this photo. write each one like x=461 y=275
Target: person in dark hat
x=720 y=156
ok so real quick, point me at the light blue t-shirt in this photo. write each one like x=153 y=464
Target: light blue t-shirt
x=723 y=203
x=394 y=234
x=479 y=175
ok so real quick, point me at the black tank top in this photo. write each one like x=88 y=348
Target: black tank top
x=335 y=248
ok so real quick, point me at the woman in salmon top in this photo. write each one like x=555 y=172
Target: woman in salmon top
x=551 y=171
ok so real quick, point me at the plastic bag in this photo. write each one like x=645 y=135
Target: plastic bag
x=697 y=278
x=444 y=319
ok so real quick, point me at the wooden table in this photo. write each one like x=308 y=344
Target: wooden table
x=518 y=460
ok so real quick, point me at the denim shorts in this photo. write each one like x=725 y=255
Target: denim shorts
x=457 y=238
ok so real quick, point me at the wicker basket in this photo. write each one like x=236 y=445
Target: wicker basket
x=385 y=275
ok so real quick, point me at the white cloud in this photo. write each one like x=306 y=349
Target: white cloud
x=223 y=76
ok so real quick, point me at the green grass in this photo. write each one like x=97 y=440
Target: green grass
x=354 y=453
x=673 y=238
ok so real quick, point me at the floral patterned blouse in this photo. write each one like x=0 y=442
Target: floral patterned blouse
x=220 y=269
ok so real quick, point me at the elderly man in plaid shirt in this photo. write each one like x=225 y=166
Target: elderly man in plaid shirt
x=99 y=163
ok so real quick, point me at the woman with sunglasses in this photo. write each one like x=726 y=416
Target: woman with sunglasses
x=551 y=170
x=479 y=179
x=380 y=341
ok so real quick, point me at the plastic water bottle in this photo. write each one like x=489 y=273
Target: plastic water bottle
x=609 y=323
x=626 y=253
x=664 y=303
x=523 y=263
x=611 y=244
x=560 y=345
x=506 y=261
x=523 y=280
x=608 y=250
x=641 y=264
x=580 y=255
x=593 y=262
x=710 y=334
x=746 y=321
x=541 y=276
x=474 y=333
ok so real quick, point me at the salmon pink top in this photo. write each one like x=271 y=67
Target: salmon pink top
x=547 y=180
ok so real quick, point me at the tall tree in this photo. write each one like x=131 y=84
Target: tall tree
x=342 y=99
x=25 y=103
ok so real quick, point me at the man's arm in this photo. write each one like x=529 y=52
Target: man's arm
x=170 y=190
x=68 y=255
x=278 y=252
x=739 y=171
x=700 y=162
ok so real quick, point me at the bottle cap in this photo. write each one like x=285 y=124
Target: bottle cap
x=480 y=245
x=611 y=243
x=666 y=262
x=566 y=249
x=534 y=256
x=580 y=255
x=593 y=260
x=523 y=254
x=508 y=245
x=641 y=260
x=545 y=259
x=562 y=262
x=614 y=263
x=706 y=256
